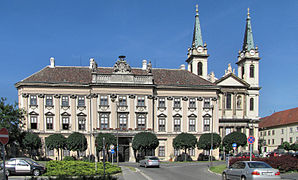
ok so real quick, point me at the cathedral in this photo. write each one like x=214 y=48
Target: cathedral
x=124 y=100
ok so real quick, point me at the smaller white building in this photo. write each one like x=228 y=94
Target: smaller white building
x=278 y=128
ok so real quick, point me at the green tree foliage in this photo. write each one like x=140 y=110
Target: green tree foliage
x=205 y=141
x=109 y=139
x=145 y=142
x=235 y=137
x=184 y=141
x=32 y=143
x=286 y=146
x=76 y=142
x=12 y=118
x=294 y=147
x=56 y=141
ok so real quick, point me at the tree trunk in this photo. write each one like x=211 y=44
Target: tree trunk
x=185 y=154
x=58 y=154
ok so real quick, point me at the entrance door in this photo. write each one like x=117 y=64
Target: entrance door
x=124 y=149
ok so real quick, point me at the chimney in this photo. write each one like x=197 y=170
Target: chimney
x=182 y=66
x=93 y=64
x=144 y=67
x=52 y=61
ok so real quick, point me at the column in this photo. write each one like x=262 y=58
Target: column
x=73 y=111
x=150 y=109
x=132 y=106
x=25 y=106
x=184 y=119
x=169 y=121
x=234 y=103
x=57 y=113
x=200 y=116
x=41 y=112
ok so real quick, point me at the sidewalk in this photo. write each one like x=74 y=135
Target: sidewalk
x=129 y=174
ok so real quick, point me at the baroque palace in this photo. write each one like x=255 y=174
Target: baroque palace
x=126 y=100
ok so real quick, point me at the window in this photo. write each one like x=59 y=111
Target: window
x=49 y=120
x=273 y=132
x=141 y=101
x=242 y=70
x=33 y=100
x=162 y=124
x=206 y=123
x=177 y=124
x=268 y=141
x=265 y=133
x=65 y=122
x=200 y=69
x=191 y=152
x=161 y=102
x=272 y=141
x=104 y=120
x=269 y=133
x=261 y=133
x=251 y=104
x=190 y=67
x=291 y=140
x=49 y=100
x=176 y=102
x=65 y=101
x=206 y=102
x=176 y=152
x=192 y=102
x=82 y=123
x=141 y=121
x=251 y=71
x=291 y=130
x=49 y=152
x=66 y=152
x=123 y=121
x=192 y=124
x=228 y=131
x=239 y=102
x=103 y=100
x=228 y=101
x=281 y=140
x=33 y=120
x=161 y=151
x=282 y=131
x=122 y=101
x=81 y=101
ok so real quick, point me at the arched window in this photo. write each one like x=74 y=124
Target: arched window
x=190 y=67
x=252 y=71
x=251 y=104
x=200 y=69
x=242 y=71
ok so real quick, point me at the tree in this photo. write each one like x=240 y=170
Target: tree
x=235 y=137
x=76 y=142
x=109 y=139
x=205 y=141
x=31 y=142
x=286 y=146
x=11 y=118
x=184 y=141
x=294 y=147
x=56 y=141
x=144 y=142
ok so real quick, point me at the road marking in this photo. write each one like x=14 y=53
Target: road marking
x=143 y=174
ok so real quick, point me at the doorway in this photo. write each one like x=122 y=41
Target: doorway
x=124 y=149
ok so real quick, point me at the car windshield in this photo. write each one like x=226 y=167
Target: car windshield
x=32 y=162
x=258 y=165
x=153 y=158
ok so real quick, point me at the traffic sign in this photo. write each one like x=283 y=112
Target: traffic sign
x=234 y=145
x=4 y=136
x=251 y=140
x=112 y=151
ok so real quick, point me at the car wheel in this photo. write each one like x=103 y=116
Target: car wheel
x=243 y=178
x=7 y=173
x=36 y=172
x=224 y=176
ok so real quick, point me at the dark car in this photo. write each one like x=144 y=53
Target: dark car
x=24 y=166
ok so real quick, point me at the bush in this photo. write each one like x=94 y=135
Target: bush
x=181 y=157
x=108 y=177
x=68 y=158
x=78 y=168
x=284 y=163
x=203 y=157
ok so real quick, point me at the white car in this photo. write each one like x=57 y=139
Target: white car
x=150 y=161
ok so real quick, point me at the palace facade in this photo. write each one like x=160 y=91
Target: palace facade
x=126 y=100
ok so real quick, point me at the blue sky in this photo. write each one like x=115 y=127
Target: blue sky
x=73 y=31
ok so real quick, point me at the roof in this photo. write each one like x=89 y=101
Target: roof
x=241 y=81
x=83 y=76
x=289 y=116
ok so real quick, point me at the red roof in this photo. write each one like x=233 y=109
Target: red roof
x=289 y=116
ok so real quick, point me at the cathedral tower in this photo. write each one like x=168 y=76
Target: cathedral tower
x=197 y=55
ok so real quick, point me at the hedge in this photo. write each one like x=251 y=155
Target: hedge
x=284 y=163
x=78 y=168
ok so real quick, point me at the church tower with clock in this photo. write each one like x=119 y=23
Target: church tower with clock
x=197 y=57
x=248 y=58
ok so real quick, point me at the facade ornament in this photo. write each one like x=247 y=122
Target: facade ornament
x=169 y=98
x=57 y=96
x=150 y=96
x=200 y=98
x=185 y=98
x=149 y=67
x=94 y=95
x=25 y=95
x=132 y=96
x=113 y=97
x=41 y=95
x=73 y=96
x=121 y=66
x=214 y=98
x=89 y=96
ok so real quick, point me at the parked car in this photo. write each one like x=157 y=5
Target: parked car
x=246 y=170
x=244 y=155
x=24 y=166
x=150 y=161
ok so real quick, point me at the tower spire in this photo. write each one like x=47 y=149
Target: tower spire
x=248 y=43
x=197 y=35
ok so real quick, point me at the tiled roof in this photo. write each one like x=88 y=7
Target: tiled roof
x=82 y=75
x=280 y=118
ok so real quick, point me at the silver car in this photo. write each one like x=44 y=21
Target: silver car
x=150 y=161
x=246 y=170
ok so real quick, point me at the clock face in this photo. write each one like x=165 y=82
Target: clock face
x=200 y=49
x=242 y=55
x=252 y=52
